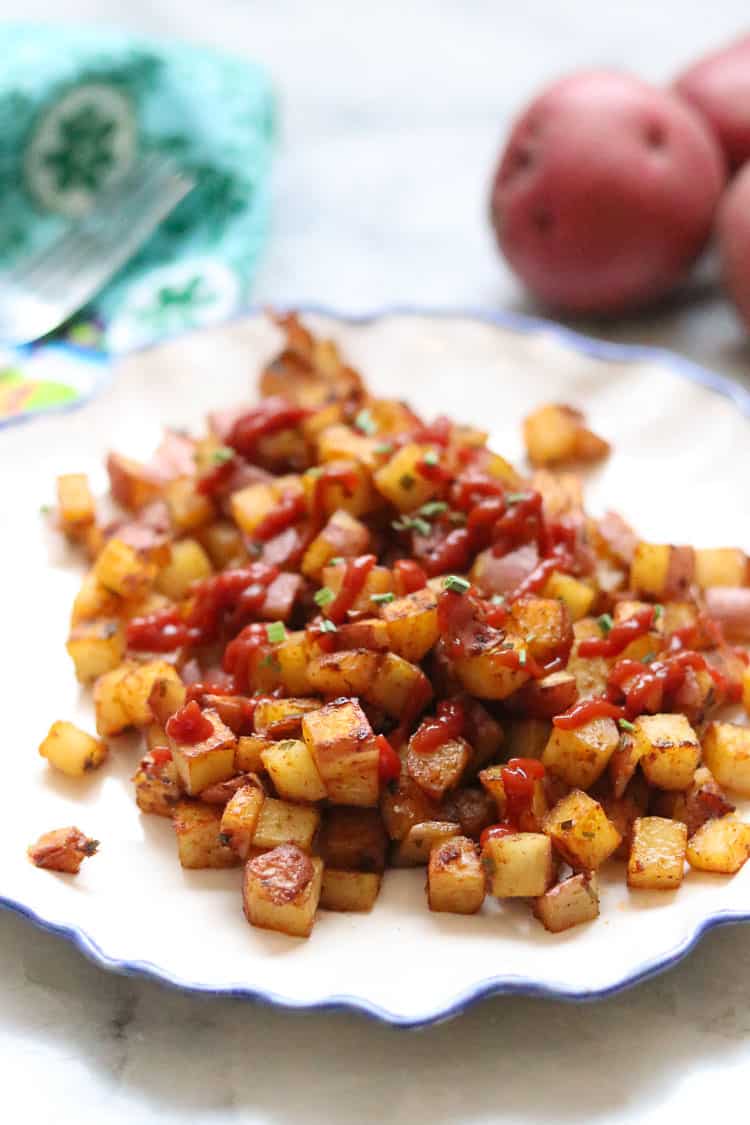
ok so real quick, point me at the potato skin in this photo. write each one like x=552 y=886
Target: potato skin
x=733 y=234
x=605 y=193
x=718 y=87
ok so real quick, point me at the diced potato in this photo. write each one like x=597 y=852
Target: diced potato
x=207 y=762
x=518 y=865
x=526 y=738
x=578 y=596
x=247 y=756
x=438 y=770
x=288 y=669
x=400 y=480
x=188 y=509
x=282 y=717
x=343 y=536
x=403 y=804
x=281 y=822
x=111 y=716
x=720 y=566
x=412 y=624
x=281 y=890
x=650 y=568
x=570 y=903
x=378 y=581
x=345 y=751
x=132 y=484
x=189 y=563
x=71 y=750
x=721 y=845
x=63 y=849
x=136 y=687
x=581 y=831
x=353 y=839
x=455 y=879
x=96 y=647
x=580 y=756
x=75 y=504
x=414 y=850
x=555 y=434
x=199 y=844
x=344 y=485
x=590 y=673
x=657 y=854
x=239 y=821
x=343 y=673
x=545 y=625
x=120 y=569
x=155 y=780
x=350 y=891
x=369 y=632
x=224 y=544
x=251 y=505
x=704 y=800
x=624 y=763
x=293 y=771
x=531 y=819
x=668 y=750
x=337 y=443
x=562 y=493
x=545 y=697
x=93 y=601
x=487 y=673
x=167 y=696
x=726 y=753
x=397 y=685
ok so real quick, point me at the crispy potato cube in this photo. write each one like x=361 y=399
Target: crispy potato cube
x=397 y=685
x=93 y=601
x=132 y=484
x=400 y=480
x=581 y=831
x=649 y=568
x=167 y=696
x=293 y=771
x=554 y=434
x=337 y=443
x=657 y=854
x=545 y=624
x=288 y=669
x=726 y=753
x=580 y=756
x=199 y=845
x=350 y=891
x=576 y=595
x=251 y=505
x=368 y=632
x=378 y=581
x=281 y=822
x=403 y=804
x=472 y=808
x=75 y=504
x=704 y=800
x=282 y=718
x=570 y=903
x=111 y=716
x=531 y=818
x=526 y=738
x=247 y=755
x=624 y=763
x=281 y=890
x=239 y=820
x=120 y=569
x=668 y=750
x=436 y=771
x=207 y=762
x=63 y=849
x=224 y=544
x=71 y=750
x=343 y=536
x=353 y=839
x=96 y=647
x=455 y=879
x=518 y=865
x=345 y=751
x=721 y=845
x=343 y=673
x=155 y=780
x=415 y=848
x=345 y=485
x=136 y=687
x=720 y=566
x=487 y=673
x=189 y=563
x=412 y=624
x=188 y=509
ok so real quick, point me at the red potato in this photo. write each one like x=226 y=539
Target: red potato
x=718 y=87
x=605 y=193
x=733 y=233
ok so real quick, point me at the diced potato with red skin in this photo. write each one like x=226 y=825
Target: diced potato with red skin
x=345 y=751
x=403 y=804
x=412 y=623
x=281 y=822
x=224 y=543
x=96 y=647
x=483 y=732
x=486 y=672
x=343 y=536
x=222 y=792
x=570 y=903
x=704 y=800
x=62 y=849
x=661 y=570
x=343 y=673
x=353 y=492
x=580 y=756
x=400 y=480
x=155 y=780
x=293 y=772
x=668 y=749
x=132 y=484
x=721 y=845
x=247 y=755
x=720 y=566
x=75 y=504
x=342 y=443
x=188 y=509
x=111 y=716
x=556 y=434
x=282 y=718
x=122 y=570
x=726 y=753
x=415 y=848
x=239 y=819
x=624 y=763
x=167 y=696
x=349 y=891
x=657 y=854
x=207 y=762
x=198 y=831
x=288 y=669
x=455 y=879
x=472 y=808
x=378 y=581
x=526 y=738
x=281 y=597
x=281 y=890
x=71 y=750
x=251 y=505
x=398 y=686
x=545 y=625
x=546 y=697
x=530 y=819
x=581 y=831
x=136 y=687
x=438 y=770
x=93 y=601
x=623 y=811
x=368 y=632
x=577 y=596
x=518 y=865
x=189 y=563
x=353 y=840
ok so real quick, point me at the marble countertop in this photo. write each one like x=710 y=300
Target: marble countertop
x=391 y=117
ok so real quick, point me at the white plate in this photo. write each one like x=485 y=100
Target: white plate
x=679 y=471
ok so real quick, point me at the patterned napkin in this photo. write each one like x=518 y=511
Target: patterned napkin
x=76 y=107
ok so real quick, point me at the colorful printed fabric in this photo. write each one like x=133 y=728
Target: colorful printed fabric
x=77 y=107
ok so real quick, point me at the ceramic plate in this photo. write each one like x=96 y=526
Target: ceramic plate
x=679 y=472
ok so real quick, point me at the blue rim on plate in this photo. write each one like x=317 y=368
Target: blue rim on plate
x=493 y=986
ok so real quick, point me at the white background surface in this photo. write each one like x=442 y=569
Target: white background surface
x=391 y=116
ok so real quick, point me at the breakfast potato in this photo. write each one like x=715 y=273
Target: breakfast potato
x=282 y=717
x=166 y=697
x=545 y=697
x=132 y=484
x=544 y=624
x=440 y=769
x=343 y=536
x=721 y=845
x=668 y=750
x=75 y=504
x=239 y=820
x=282 y=822
x=455 y=878
x=400 y=480
x=379 y=581
x=155 y=780
x=344 y=485
x=63 y=849
x=581 y=831
x=96 y=647
x=224 y=544
x=555 y=434
x=349 y=891
x=292 y=770
x=518 y=865
x=353 y=839
x=188 y=509
x=718 y=87
x=403 y=804
x=198 y=831
x=415 y=848
x=578 y=596
x=720 y=566
x=189 y=563
x=704 y=800
x=109 y=707
x=204 y=763
x=343 y=673
x=726 y=753
x=412 y=623
x=250 y=505
x=580 y=756
x=657 y=854
x=281 y=890
x=289 y=667
x=135 y=689
x=342 y=443
x=570 y=903
x=345 y=751
x=123 y=570
x=71 y=750
x=526 y=738
x=397 y=685
x=93 y=601
x=487 y=673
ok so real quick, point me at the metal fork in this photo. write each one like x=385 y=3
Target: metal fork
x=43 y=290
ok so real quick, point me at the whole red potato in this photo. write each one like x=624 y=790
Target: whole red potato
x=605 y=193
x=733 y=232
x=719 y=88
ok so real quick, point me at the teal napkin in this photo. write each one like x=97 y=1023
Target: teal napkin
x=76 y=107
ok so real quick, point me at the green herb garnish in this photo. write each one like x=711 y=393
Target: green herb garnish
x=658 y=612
x=324 y=596
x=522 y=656
x=382 y=599
x=431 y=457
x=365 y=422
x=45 y=509
x=515 y=497
x=605 y=623
x=383 y=447
x=327 y=627
x=625 y=724
x=276 y=632
x=221 y=455
x=456 y=584
x=335 y=561
x=433 y=508
x=498 y=599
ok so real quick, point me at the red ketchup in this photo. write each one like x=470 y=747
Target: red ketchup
x=585 y=711
x=189 y=725
x=619 y=636
x=521 y=523
x=355 y=576
x=290 y=508
x=217 y=478
x=274 y=414
x=241 y=592
x=519 y=777
x=451 y=554
x=389 y=763
x=163 y=631
x=497 y=831
x=448 y=724
x=333 y=474
x=241 y=654
x=409 y=576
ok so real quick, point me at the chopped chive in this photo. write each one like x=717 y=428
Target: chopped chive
x=431 y=457
x=222 y=454
x=382 y=599
x=648 y=658
x=522 y=657
x=45 y=509
x=412 y=523
x=515 y=497
x=407 y=481
x=498 y=599
x=383 y=447
x=433 y=508
x=421 y=526
x=625 y=724
x=324 y=596
x=270 y=661
x=327 y=627
x=276 y=632
x=605 y=623
x=365 y=422
x=658 y=612
x=315 y=472
x=336 y=560
x=456 y=584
